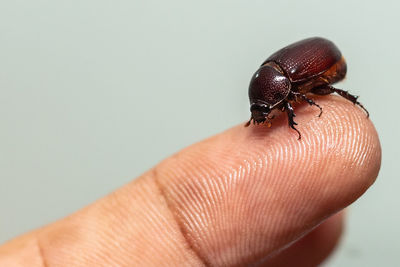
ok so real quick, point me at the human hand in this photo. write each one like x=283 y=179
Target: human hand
x=245 y=196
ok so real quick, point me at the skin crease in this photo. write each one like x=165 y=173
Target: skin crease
x=313 y=248
x=246 y=196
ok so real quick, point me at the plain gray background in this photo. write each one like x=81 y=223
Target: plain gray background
x=93 y=93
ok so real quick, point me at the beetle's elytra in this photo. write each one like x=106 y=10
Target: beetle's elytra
x=307 y=66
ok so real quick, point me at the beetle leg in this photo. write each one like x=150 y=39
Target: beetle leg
x=291 y=115
x=309 y=101
x=327 y=89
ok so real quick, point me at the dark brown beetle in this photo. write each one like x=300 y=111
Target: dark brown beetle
x=307 y=66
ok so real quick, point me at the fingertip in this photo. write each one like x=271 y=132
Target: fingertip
x=249 y=191
x=342 y=141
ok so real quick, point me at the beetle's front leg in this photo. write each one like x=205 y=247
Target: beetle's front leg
x=291 y=115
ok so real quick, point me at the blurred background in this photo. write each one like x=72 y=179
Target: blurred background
x=94 y=92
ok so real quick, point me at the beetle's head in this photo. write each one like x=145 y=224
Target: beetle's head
x=268 y=88
x=259 y=113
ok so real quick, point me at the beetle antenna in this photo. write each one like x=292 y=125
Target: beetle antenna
x=248 y=123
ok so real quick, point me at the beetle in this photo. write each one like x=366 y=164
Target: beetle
x=308 y=66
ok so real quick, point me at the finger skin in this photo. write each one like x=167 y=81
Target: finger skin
x=313 y=248
x=231 y=200
x=248 y=192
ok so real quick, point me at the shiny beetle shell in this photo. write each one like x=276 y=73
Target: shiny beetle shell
x=307 y=66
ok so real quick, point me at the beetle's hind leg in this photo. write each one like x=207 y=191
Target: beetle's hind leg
x=309 y=101
x=327 y=89
x=291 y=115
